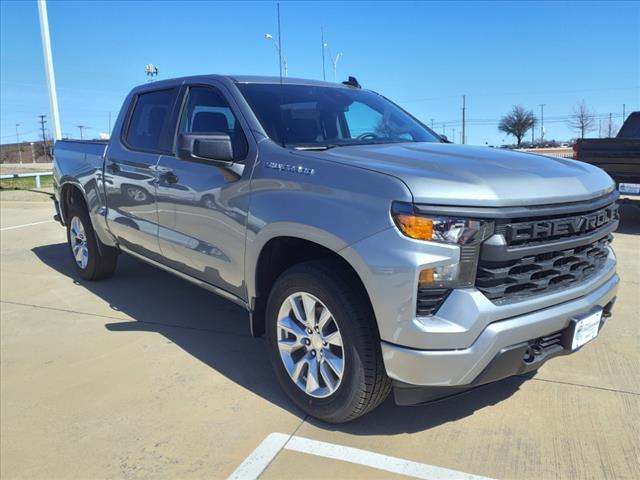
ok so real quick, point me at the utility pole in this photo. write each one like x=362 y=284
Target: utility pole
x=444 y=126
x=48 y=66
x=80 y=127
x=324 y=75
x=542 y=122
x=624 y=112
x=432 y=124
x=44 y=136
x=463 y=118
x=609 y=125
x=600 y=128
x=18 y=141
x=453 y=135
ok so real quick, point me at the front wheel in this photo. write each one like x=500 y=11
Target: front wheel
x=323 y=342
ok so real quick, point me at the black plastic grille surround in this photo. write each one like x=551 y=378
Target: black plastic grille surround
x=542 y=272
x=429 y=299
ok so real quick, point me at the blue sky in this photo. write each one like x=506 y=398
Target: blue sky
x=423 y=55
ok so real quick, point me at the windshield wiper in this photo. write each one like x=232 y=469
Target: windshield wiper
x=315 y=147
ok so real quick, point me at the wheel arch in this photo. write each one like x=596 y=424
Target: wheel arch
x=281 y=252
x=71 y=193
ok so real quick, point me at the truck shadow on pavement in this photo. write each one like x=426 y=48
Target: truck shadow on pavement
x=216 y=332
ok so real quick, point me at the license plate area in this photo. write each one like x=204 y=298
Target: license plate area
x=631 y=188
x=583 y=329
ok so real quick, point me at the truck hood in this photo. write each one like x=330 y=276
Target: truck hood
x=448 y=174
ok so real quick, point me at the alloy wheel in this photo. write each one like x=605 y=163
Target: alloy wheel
x=310 y=345
x=79 y=245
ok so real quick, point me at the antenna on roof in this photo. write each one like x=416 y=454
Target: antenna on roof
x=352 y=82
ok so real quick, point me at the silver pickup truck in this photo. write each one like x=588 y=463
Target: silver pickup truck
x=372 y=253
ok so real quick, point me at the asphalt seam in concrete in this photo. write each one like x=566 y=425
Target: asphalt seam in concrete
x=146 y=322
x=613 y=390
x=284 y=446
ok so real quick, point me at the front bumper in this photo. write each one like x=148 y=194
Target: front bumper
x=502 y=343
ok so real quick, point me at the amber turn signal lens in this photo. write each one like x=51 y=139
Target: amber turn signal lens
x=420 y=228
x=426 y=277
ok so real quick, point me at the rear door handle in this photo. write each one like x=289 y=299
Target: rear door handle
x=113 y=168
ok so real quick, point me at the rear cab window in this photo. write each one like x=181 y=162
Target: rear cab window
x=150 y=121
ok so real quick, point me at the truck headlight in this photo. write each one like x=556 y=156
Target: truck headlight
x=437 y=228
x=467 y=233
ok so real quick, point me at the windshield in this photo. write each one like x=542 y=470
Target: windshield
x=316 y=116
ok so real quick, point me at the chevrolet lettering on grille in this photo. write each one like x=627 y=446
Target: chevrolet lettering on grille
x=580 y=224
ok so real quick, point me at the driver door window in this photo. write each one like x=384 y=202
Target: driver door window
x=207 y=111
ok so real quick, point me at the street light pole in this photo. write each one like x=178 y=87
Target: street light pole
x=281 y=59
x=48 y=66
x=80 y=127
x=324 y=75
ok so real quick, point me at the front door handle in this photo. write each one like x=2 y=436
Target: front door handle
x=169 y=177
x=113 y=168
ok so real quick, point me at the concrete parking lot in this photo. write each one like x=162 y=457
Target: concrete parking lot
x=146 y=376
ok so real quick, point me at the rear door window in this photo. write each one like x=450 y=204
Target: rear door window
x=149 y=122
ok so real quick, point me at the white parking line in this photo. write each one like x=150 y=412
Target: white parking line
x=25 y=225
x=261 y=457
x=264 y=454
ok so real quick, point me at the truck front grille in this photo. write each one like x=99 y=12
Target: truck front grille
x=545 y=252
x=540 y=273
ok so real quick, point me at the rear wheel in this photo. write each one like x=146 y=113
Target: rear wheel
x=324 y=346
x=93 y=260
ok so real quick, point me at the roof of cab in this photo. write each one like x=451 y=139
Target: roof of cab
x=285 y=80
x=239 y=79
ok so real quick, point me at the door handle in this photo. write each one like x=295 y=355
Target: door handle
x=113 y=168
x=169 y=177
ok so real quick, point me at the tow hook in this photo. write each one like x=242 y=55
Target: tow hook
x=532 y=352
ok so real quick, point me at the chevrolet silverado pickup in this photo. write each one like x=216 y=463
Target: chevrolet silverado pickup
x=372 y=254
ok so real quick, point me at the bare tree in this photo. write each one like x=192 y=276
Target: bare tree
x=517 y=122
x=582 y=119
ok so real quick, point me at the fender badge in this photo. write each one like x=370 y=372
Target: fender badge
x=284 y=167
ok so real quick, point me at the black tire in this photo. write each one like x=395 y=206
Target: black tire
x=102 y=259
x=364 y=384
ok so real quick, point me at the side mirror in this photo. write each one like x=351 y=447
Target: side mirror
x=445 y=139
x=210 y=147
